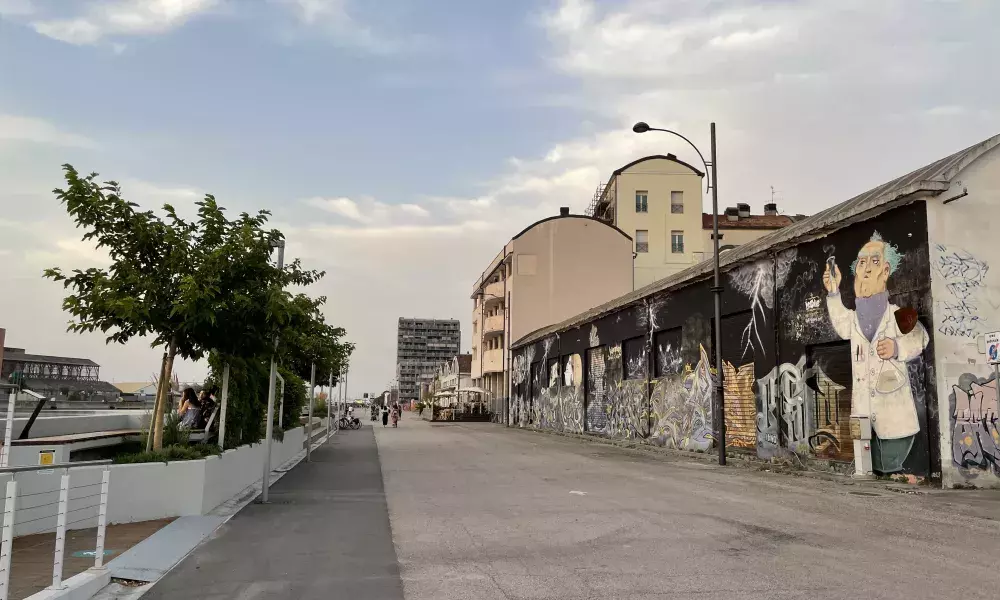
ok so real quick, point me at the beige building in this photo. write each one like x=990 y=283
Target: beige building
x=658 y=201
x=554 y=269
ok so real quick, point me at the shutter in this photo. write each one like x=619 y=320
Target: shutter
x=597 y=406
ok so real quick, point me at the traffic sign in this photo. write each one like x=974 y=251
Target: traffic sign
x=993 y=348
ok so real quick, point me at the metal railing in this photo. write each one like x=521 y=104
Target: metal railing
x=42 y=496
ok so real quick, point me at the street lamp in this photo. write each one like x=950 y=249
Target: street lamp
x=269 y=428
x=642 y=127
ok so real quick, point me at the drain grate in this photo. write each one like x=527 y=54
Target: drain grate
x=864 y=494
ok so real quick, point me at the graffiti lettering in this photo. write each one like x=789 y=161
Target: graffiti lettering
x=964 y=277
x=682 y=407
x=976 y=437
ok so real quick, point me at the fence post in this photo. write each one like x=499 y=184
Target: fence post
x=102 y=519
x=57 y=561
x=6 y=544
x=8 y=431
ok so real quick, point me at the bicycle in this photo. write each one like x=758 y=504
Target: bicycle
x=349 y=423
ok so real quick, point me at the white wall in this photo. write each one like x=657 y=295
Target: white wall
x=146 y=491
x=963 y=244
x=50 y=423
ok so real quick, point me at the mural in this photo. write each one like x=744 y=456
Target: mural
x=740 y=405
x=520 y=375
x=964 y=277
x=597 y=385
x=884 y=337
x=571 y=395
x=757 y=281
x=975 y=436
x=682 y=407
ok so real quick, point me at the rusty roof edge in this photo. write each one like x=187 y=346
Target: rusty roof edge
x=819 y=225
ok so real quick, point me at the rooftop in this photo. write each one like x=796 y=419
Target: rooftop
x=12 y=354
x=751 y=222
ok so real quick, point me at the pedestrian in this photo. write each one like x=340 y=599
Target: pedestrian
x=395 y=416
x=190 y=409
x=385 y=416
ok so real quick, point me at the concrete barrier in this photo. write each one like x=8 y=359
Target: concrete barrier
x=146 y=491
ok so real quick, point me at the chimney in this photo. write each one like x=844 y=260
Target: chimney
x=743 y=210
x=771 y=209
x=732 y=214
x=563 y=211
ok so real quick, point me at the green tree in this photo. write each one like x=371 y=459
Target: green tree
x=193 y=286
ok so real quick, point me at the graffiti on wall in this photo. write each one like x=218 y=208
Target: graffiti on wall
x=782 y=409
x=757 y=281
x=964 y=277
x=571 y=395
x=975 y=436
x=520 y=384
x=884 y=337
x=682 y=407
x=740 y=405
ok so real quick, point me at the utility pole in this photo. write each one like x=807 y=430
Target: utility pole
x=269 y=429
x=720 y=397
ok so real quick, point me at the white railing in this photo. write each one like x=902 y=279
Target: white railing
x=33 y=505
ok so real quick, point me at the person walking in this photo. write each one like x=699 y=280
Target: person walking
x=385 y=416
x=395 y=416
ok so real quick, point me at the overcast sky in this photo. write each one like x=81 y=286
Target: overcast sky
x=400 y=143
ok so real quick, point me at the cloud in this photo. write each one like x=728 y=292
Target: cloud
x=104 y=18
x=414 y=209
x=336 y=21
x=16 y=128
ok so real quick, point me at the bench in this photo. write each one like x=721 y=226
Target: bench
x=206 y=434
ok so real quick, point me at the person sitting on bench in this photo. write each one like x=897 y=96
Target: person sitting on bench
x=190 y=410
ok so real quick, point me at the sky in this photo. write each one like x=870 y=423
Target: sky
x=400 y=143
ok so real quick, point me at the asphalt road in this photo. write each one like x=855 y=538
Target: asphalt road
x=481 y=512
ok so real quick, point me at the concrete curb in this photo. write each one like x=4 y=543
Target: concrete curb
x=227 y=510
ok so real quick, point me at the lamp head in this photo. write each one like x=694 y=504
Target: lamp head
x=640 y=127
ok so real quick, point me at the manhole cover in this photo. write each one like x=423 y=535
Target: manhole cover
x=864 y=494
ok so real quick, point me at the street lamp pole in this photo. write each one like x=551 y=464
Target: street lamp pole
x=720 y=400
x=269 y=428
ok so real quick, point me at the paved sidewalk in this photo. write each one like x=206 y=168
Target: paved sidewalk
x=325 y=534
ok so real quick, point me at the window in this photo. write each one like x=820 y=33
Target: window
x=553 y=372
x=572 y=370
x=677 y=242
x=641 y=202
x=667 y=345
x=677 y=202
x=634 y=358
x=641 y=240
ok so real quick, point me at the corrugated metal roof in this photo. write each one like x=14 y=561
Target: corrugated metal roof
x=933 y=178
x=43 y=358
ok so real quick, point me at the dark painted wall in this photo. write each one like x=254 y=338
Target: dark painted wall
x=791 y=379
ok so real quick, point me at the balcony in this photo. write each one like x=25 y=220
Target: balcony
x=494 y=324
x=494 y=292
x=493 y=361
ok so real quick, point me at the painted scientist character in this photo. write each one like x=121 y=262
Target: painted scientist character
x=881 y=345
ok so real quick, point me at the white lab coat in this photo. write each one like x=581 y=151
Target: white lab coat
x=891 y=408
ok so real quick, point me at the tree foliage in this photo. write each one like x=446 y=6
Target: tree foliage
x=196 y=287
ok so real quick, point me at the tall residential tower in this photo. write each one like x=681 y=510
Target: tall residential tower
x=421 y=346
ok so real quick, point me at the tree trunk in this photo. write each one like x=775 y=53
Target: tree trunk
x=160 y=406
x=156 y=402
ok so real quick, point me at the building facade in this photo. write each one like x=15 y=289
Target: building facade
x=554 y=268
x=855 y=335
x=658 y=201
x=421 y=346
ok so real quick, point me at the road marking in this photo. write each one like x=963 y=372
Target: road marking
x=578 y=493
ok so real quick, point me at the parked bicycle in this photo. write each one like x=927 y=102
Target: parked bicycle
x=346 y=422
